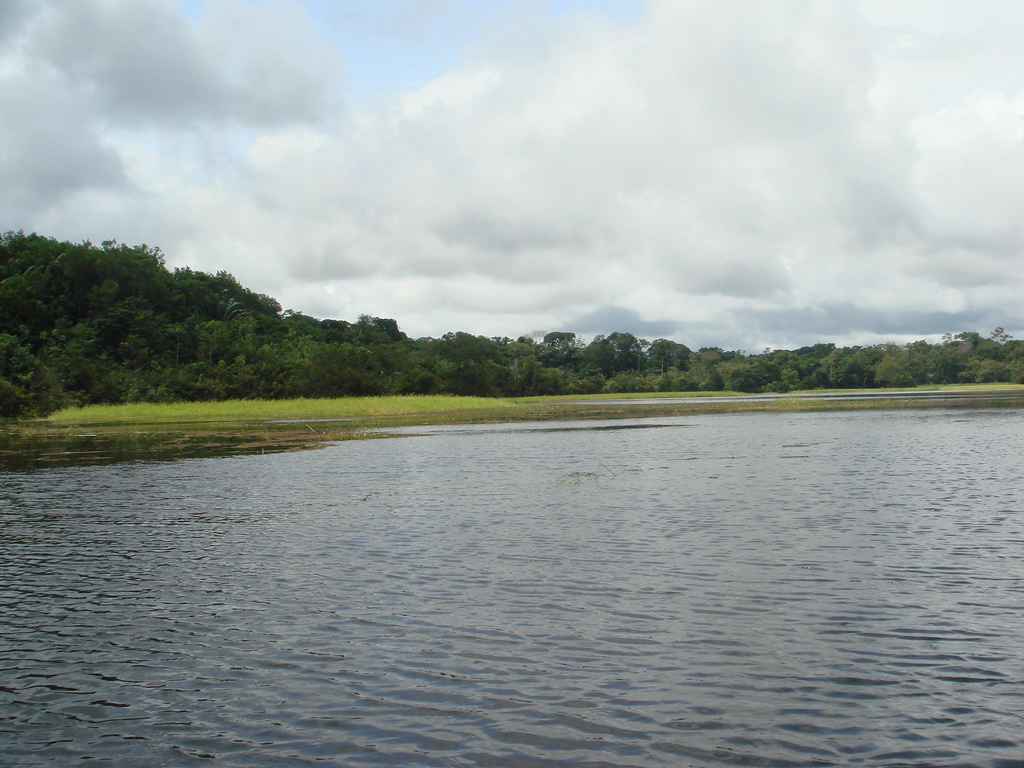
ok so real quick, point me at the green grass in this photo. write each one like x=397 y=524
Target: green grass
x=435 y=407
x=268 y=410
x=731 y=393
x=916 y=388
x=623 y=396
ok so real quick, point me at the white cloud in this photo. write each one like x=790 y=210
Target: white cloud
x=762 y=173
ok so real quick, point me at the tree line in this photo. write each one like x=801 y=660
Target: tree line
x=83 y=324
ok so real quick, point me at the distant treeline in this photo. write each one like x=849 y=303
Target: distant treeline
x=82 y=324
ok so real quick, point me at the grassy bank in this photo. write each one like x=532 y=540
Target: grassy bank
x=448 y=407
x=147 y=431
x=280 y=410
x=787 y=395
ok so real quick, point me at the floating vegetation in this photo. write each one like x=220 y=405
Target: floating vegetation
x=577 y=478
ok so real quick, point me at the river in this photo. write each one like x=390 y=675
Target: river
x=748 y=589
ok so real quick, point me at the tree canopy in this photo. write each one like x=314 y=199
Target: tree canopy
x=82 y=324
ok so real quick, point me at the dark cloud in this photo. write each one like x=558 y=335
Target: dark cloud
x=607 y=320
x=737 y=278
x=48 y=148
x=40 y=169
x=142 y=59
x=879 y=210
x=807 y=325
x=506 y=235
x=13 y=13
x=146 y=63
x=82 y=82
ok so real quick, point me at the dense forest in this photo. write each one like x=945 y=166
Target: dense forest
x=83 y=324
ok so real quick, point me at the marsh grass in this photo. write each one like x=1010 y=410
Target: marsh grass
x=146 y=431
x=443 y=408
x=601 y=396
x=919 y=388
x=281 y=410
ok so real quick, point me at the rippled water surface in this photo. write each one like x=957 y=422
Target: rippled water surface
x=748 y=589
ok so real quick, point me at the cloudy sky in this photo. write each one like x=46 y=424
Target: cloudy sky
x=740 y=174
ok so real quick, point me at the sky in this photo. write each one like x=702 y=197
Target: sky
x=730 y=173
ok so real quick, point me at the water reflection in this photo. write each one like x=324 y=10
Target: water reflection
x=749 y=589
x=33 y=448
x=32 y=445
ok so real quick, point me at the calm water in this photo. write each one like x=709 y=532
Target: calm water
x=748 y=589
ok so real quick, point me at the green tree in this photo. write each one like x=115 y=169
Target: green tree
x=664 y=354
x=894 y=369
x=560 y=349
x=703 y=369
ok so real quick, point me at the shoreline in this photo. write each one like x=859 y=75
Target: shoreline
x=147 y=432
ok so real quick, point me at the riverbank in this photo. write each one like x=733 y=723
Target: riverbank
x=161 y=431
x=449 y=407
